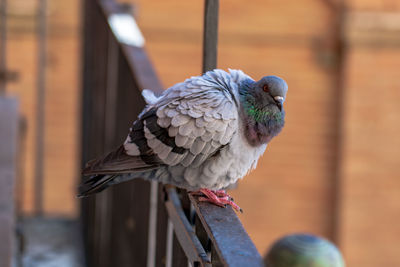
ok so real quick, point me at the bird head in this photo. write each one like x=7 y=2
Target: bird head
x=270 y=92
x=262 y=105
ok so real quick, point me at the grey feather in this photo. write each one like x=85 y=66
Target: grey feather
x=207 y=148
x=164 y=122
x=198 y=131
x=194 y=114
x=189 y=142
x=197 y=146
x=187 y=128
x=179 y=120
x=188 y=159
x=180 y=140
x=172 y=159
x=171 y=112
x=207 y=136
x=198 y=160
x=200 y=122
x=165 y=152
x=160 y=112
x=173 y=131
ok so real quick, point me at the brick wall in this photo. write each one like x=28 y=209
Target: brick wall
x=332 y=171
x=62 y=100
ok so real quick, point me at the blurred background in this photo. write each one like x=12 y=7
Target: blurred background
x=333 y=171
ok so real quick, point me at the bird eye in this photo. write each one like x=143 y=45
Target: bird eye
x=265 y=88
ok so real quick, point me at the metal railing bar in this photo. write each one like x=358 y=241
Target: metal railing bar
x=184 y=230
x=170 y=246
x=228 y=236
x=40 y=107
x=162 y=228
x=210 y=35
x=151 y=245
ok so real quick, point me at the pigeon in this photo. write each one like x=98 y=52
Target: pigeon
x=202 y=135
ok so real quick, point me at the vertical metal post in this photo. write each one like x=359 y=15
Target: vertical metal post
x=152 y=235
x=169 y=247
x=210 y=52
x=3 y=45
x=210 y=35
x=40 y=106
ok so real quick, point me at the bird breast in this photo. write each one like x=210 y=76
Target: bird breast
x=232 y=162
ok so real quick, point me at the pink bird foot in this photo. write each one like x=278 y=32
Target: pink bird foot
x=219 y=198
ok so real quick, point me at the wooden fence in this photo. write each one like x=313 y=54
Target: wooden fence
x=139 y=223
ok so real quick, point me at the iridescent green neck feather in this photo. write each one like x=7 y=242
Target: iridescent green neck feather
x=262 y=115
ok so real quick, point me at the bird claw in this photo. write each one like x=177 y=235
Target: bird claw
x=219 y=198
x=204 y=199
x=223 y=194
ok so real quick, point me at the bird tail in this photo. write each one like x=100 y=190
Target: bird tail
x=95 y=184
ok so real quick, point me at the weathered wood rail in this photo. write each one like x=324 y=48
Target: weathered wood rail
x=139 y=223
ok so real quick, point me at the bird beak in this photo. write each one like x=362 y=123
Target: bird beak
x=279 y=101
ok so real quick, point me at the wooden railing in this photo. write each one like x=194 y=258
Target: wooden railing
x=139 y=223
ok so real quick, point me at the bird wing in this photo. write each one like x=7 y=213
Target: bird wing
x=186 y=125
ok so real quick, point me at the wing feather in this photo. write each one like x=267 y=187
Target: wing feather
x=186 y=125
x=117 y=162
